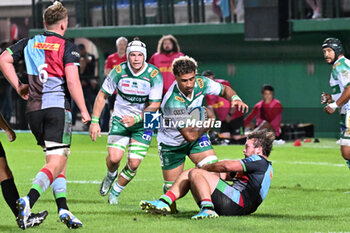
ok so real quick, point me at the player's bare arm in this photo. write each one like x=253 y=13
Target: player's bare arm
x=229 y=94
x=7 y=68
x=100 y=101
x=193 y=133
x=330 y=108
x=76 y=91
x=224 y=166
x=130 y=121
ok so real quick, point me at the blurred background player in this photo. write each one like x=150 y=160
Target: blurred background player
x=52 y=65
x=316 y=7
x=186 y=93
x=251 y=178
x=340 y=83
x=232 y=126
x=8 y=187
x=168 y=50
x=118 y=57
x=139 y=86
x=268 y=113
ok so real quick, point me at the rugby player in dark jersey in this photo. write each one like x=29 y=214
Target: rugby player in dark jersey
x=251 y=178
x=52 y=66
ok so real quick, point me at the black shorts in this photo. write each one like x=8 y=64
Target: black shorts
x=235 y=127
x=224 y=205
x=2 y=151
x=51 y=124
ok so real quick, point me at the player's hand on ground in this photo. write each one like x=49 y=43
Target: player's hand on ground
x=242 y=107
x=326 y=98
x=329 y=110
x=11 y=135
x=128 y=121
x=23 y=91
x=94 y=131
x=85 y=117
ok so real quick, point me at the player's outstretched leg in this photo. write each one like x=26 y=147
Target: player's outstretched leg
x=207 y=211
x=69 y=219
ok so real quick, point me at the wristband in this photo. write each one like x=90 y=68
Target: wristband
x=138 y=118
x=95 y=119
x=235 y=97
x=333 y=106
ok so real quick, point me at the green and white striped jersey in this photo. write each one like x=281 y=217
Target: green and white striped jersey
x=133 y=90
x=176 y=106
x=340 y=79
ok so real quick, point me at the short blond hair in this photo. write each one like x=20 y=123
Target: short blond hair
x=184 y=65
x=54 y=13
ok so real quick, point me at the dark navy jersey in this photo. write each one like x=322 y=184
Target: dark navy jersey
x=254 y=182
x=46 y=56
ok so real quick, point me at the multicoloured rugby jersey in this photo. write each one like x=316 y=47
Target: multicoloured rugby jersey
x=252 y=185
x=46 y=55
x=176 y=107
x=134 y=91
x=340 y=79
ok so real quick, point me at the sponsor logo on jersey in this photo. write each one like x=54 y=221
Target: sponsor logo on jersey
x=126 y=83
x=178 y=98
x=134 y=84
x=47 y=46
x=118 y=69
x=124 y=75
x=179 y=112
x=154 y=73
x=200 y=82
x=75 y=53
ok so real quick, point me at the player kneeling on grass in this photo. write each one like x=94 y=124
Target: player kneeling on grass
x=176 y=141
x=251 y=178
x=140 y=87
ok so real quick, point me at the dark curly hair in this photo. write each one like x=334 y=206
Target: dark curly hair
x=263 y=138
x=184 y=65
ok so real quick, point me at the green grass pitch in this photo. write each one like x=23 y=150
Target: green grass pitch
x=308 y=192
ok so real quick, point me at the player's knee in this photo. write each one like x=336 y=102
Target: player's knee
x=114 y=158
x=194 y=173
x=134 y=163
x=207 y=160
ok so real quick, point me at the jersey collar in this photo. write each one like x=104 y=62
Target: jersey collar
x=138 y=73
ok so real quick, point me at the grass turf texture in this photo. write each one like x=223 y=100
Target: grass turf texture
x=307 y=192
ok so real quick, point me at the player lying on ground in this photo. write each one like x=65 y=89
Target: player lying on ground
x=251 y=178
x=340 y=83
x=52 y=66
x=8 y=187
x=177 y=142
x=139 y=86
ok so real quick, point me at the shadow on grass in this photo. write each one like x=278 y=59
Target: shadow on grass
x=9 y=228
x=298 y=187
x=293 y=217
